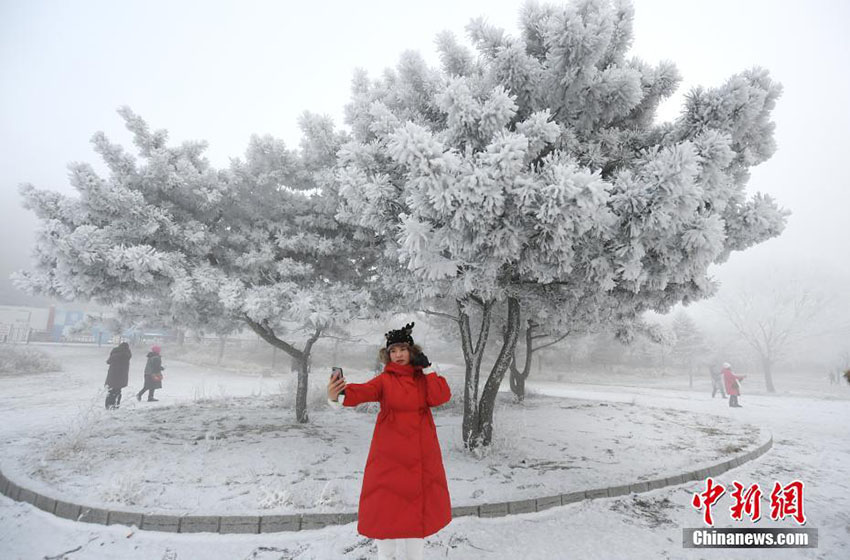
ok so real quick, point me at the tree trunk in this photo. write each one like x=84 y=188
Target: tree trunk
x=303 y=378
x=222 y=341
x=517 y=377
x=472 y=355
x=303 y=365
x=482 y=428
x=301 y=359
x=517 y=380
x=767 y=367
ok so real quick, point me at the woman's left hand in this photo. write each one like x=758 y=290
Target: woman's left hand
x=420 y=360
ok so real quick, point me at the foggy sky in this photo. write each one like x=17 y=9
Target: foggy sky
x=221 y=71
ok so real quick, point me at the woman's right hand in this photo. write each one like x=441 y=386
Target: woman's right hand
x=335 y=385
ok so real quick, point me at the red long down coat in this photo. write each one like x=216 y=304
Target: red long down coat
x=405 y=493
x=731 y=382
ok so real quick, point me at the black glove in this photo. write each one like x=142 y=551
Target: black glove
x=420 y=360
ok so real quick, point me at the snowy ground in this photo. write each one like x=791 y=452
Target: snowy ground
x=811 y=443
x=242 y=455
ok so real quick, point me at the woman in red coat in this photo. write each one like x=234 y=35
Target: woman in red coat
x=405 y=495
x=732 y=386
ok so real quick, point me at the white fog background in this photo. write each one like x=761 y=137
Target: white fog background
x=221 y=71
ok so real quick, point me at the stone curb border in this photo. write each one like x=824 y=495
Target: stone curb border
x=306 y=521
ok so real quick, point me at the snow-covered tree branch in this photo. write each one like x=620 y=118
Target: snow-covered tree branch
x=256 y=244
x=535 y=161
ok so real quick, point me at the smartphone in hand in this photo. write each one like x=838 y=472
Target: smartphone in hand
x=338 y=372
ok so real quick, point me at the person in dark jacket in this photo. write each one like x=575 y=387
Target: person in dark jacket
x=716 y=381
x=153 y=374
x=118 y=374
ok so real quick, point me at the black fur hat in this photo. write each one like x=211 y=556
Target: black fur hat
x=401 y=335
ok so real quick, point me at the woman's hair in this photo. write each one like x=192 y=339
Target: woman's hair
x=384 y=353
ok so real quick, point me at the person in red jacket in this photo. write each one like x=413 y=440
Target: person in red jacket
x=405 y=495
x=733 y=388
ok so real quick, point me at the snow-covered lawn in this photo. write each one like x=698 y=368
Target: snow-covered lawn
x=811 y=443
x=243 y=455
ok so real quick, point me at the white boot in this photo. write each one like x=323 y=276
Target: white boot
x=386 y=548
x=414 y=548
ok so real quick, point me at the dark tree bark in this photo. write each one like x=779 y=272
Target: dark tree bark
x=770 y=321
x=518 y=377
x=222 y=342
x=767 y=368
x=473 y=352
x=477 y=425
x=482 y=426
x=301 y=358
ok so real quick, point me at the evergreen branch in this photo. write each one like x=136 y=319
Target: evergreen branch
x=267 y=334
x=551 y=343
x=439 y=314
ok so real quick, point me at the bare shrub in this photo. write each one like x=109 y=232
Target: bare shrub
x=17 y=360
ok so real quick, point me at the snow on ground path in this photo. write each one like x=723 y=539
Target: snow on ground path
x=46 y=397
x=810 y=435
x=810 y=444
x=247 y=455
x=241 y=456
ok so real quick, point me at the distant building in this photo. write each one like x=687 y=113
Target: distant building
x=51 y=324
x=16 y=323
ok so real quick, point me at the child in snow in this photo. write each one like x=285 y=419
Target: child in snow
x=405 y=495
x=153 y=374
x=733 y=388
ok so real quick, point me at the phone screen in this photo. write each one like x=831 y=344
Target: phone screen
x=337 y=370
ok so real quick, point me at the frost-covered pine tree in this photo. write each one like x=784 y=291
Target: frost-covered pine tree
x=536 y=161
x=255 y=244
